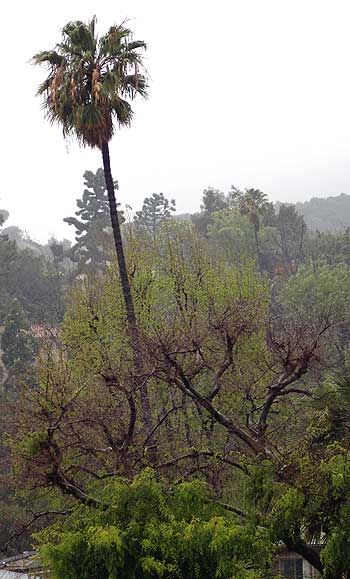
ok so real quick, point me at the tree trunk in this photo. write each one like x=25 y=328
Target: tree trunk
x=124 y=279
x=129 y=305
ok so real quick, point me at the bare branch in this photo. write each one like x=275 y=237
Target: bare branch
x=158 y=425
x=197 y=454
x=185 y=386
x=26 y=526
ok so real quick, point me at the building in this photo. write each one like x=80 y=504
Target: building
x=293 y=566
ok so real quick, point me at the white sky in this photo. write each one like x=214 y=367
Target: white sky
x=245 y=92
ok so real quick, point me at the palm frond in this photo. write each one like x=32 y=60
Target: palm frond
x=112 y=43
x=92 y=26
x=123 y=111
x=69 y=50
x=50 y=57
x=133 y=84
x=44 y=86
x=79 y=35
x=110 y=85
x=136 y=44
x=90 y=81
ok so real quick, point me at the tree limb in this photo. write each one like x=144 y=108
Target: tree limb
x=197 y=454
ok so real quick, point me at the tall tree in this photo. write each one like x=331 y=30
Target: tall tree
x=290 y=237
x=86 y=89
x=213 y=201
x=89 y=86
x=92 y=222
x=17 y=345
x=254 y=204
x=155 y=210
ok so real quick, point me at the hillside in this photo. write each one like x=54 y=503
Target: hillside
x=325 y=214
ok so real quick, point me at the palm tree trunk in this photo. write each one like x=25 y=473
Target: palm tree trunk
x=129 y=304
x=124 y=279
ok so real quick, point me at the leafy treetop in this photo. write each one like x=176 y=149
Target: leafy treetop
x=152 y=531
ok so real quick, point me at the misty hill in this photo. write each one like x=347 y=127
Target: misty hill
x=325 y=214
x=22 y=239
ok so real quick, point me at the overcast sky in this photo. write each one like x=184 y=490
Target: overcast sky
x=254 y=93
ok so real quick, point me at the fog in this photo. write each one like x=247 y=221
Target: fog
x=242 y=92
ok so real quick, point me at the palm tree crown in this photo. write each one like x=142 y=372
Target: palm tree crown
x=91 y=80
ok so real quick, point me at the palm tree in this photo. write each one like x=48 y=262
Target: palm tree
x=254 y=204
x=87 y=91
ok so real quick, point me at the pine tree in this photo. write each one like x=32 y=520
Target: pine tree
x=92 y=224
x=155 y=210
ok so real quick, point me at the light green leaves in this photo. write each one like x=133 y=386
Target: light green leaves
x=144 y=535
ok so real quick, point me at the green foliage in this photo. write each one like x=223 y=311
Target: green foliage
x=332 y=402
x=310 y=506
x=175 y=282
x=287 y=516
x=205 y=314
x=336 y=553
x=244 y=224
x=213 y=201
x=17 y=345
x=329 y=248
x=232 y=232
x=153 y=531
x=289 y=238
x=260 y=488
x=33 y=444
x=322 y=291
x=253 y=203
x=318 y=289
x=33 y=280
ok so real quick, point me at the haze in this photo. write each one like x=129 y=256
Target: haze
x=242 y=92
